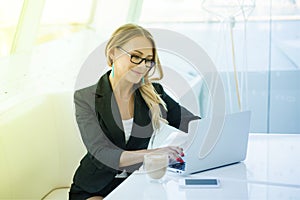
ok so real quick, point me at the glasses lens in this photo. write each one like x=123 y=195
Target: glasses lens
x=149 y=63
x=136 y=59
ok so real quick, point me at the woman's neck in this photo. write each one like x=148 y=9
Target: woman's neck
x=121 y=88
x=123 y=92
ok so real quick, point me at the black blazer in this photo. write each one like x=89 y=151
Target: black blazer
x=101 y=129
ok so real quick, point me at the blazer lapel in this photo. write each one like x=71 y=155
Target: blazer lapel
x=108 y=112
x=111 y=122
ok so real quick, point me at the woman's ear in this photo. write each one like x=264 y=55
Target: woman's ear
x=111 y=56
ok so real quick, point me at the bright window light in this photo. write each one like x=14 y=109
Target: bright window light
x=212 y=10
x=61 y=18
x=66 y=12
x=9 y=16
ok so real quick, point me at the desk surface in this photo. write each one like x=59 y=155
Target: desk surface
x=270 y=171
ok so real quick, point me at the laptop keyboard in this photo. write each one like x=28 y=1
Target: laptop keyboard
x=178 y=165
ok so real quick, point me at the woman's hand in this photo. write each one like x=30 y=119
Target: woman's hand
x=133 y=157
x=174 y=152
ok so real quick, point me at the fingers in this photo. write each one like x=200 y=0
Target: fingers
x=174 y=153
x=176 y=150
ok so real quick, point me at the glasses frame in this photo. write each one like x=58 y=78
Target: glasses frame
x=142 y=59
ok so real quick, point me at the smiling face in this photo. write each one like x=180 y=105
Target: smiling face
x=126 y=70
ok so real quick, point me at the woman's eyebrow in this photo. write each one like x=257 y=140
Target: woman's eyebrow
x=138 y=52
x=142 y=53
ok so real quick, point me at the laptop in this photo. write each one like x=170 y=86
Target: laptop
x=214 y=142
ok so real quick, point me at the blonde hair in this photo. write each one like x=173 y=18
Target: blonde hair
x=120 y=37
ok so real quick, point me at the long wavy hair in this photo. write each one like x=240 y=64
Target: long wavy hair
x=120 y=37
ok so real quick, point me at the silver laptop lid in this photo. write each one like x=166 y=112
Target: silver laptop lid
x=210 y=146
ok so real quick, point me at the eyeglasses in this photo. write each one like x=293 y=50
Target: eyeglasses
x=138 y=60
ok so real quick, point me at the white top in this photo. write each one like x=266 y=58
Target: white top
x=127 y=124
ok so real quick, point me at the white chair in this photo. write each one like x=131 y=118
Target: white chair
x=40 y=148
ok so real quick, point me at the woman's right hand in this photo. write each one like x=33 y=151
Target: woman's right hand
x=133 y=157
x=174 y=152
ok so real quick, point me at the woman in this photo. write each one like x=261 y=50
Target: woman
x=119 y=114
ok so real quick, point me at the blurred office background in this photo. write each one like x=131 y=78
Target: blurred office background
x=255 y=46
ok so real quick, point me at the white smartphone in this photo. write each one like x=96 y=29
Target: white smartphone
x=199 y=183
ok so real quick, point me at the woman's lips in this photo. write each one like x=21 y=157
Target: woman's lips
x=137 y=72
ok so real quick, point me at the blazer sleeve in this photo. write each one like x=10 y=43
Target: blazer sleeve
x=177 y=115
x=96 y=142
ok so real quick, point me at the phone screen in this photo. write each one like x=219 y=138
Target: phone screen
x=201 y=182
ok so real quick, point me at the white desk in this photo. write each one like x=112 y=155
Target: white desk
x=270 y=171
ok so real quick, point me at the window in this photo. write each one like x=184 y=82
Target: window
x=9 y=16
x=260 y=38
x=61 y=18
